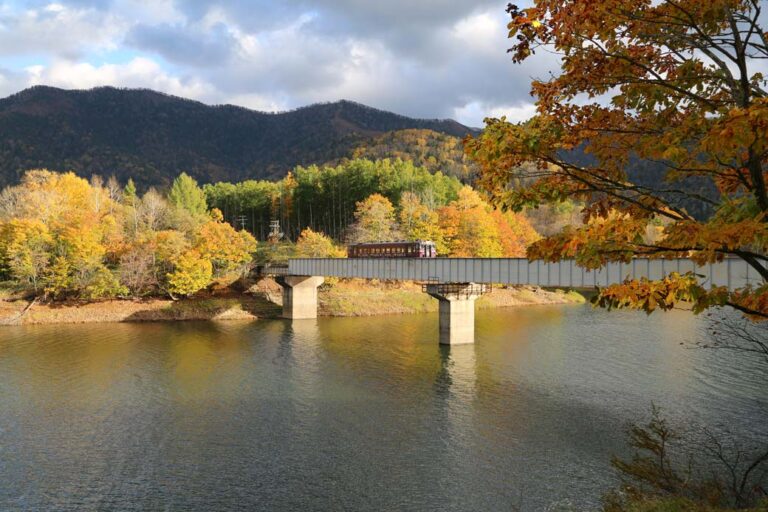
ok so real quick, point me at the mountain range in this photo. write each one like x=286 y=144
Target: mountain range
x=151 y=137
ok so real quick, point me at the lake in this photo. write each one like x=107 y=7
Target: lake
x=352 y=413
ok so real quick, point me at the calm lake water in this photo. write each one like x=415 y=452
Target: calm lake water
x=351 y=414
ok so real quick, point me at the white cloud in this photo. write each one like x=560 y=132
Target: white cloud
x=434 y=58
x=54 y=8
x=514 y=114
x=57 y=30
x=472 y=114
x=138 y=73
x=480 y=33
x=258 y=102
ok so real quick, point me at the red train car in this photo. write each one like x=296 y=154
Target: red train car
x=418 y=249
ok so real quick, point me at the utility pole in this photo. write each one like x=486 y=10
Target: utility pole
x=274 y=231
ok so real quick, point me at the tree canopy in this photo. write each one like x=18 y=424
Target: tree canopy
x=186 y=194
x=324 y=198
x=675 y=82
x=374 y=221
x=61 y=236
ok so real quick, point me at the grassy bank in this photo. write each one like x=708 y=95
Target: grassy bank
x=262 y=300
x=361 y=298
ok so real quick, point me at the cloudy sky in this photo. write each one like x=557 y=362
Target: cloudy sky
x=424 y=58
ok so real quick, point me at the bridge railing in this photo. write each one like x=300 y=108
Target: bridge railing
x=732 y=273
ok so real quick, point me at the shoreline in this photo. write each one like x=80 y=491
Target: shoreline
x=262 y=301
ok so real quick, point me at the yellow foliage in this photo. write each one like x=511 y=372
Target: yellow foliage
x=226 y=248
x=25 y=250
x=316 y=245
x=374 y=220
x=469 y=228
x=418 y=222
x=69 y=237
x=192 y=273
x=169 y=245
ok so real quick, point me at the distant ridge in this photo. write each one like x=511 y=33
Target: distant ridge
x=152 y=136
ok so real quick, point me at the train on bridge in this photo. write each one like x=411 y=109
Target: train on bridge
x=417 y=249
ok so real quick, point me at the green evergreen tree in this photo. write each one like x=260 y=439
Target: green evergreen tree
x=129 y=192
x=186 y=193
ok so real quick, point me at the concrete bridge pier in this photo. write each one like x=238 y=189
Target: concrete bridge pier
x=300 y=296
x=457 y=310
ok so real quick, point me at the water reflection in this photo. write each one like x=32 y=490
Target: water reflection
x=458 y=372
x=348 y=413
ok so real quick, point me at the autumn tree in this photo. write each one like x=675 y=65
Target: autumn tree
x=65 y=237
x=469 y=227
x=137 y=266
x=191 y=273
x=374 y=221
x=57 y=233
x=516 y=233
x=153 y=211
x=228 y=250
x=419 y=222
x=25 y=251
x=312 y=244
x=673 y=82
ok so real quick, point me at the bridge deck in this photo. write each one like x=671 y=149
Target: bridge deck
x=732 y=273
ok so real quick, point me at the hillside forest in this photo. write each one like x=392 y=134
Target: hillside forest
x=149 y=136
x=65 y=237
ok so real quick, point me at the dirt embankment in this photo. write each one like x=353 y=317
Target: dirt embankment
x=263 y=300
x=148 y=310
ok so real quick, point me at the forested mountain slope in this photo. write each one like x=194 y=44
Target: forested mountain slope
x=426 y=148
x=151 y=137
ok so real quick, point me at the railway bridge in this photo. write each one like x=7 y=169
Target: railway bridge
x=457 y=282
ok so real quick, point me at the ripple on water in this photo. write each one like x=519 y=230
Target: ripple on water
x=349 y=413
